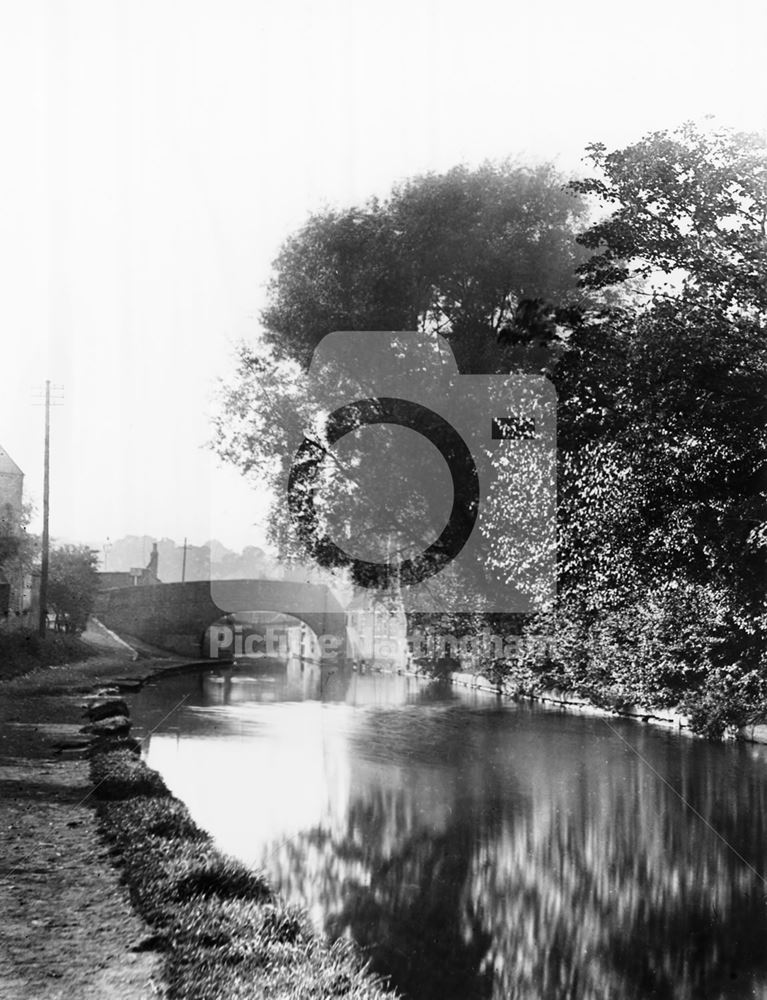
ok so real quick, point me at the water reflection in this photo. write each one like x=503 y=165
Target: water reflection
x=479 y=850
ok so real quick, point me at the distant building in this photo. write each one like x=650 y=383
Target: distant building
x=11 y=492
x=141 y=577
x=13 y=583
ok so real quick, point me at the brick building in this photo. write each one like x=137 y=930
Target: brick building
x=11 y=493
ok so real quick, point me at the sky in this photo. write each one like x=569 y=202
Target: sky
x=156 y=153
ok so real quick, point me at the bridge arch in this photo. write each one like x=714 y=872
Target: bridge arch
x=174 y=615
x=265 y=633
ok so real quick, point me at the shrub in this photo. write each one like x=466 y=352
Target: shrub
x=727 y=701
x=680 y=646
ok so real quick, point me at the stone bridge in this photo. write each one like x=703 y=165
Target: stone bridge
x=176 y=615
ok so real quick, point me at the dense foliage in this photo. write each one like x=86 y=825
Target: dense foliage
x=662 y=437
x=453 y=253
x=467 y=254
x=658 y=356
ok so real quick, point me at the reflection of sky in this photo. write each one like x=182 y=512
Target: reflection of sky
x=285 y=770
x=475 y=850
x=282 y=766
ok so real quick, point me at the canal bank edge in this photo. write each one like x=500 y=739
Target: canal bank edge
x=196 y=920
x=223 y=930
x=567 y=701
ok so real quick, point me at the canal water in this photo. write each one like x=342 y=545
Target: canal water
x=475 y=848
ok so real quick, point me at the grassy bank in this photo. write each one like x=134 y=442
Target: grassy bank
x=21 y=650
x=224 y=932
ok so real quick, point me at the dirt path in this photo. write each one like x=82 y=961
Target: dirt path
x=67 y=929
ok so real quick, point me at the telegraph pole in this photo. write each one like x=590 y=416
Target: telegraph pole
x=183 y=565
x=43 y=623
x=51 y=397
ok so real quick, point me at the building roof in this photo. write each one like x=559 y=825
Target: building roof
x=114 y=578
x=7 y=464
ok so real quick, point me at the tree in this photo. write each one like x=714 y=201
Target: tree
x=453 y=253
x=658 y=357
x=687 y=202
x=662 y=420
x=72 y=585
x=684 y=393
x=468 y=254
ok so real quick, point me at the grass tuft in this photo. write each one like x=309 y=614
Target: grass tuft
x=228 y=935
x=120 y=774
x=149 y=816
x=224 y=878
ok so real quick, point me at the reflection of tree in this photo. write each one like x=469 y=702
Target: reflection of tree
x=404 y=907
x=623 y=893
x=597 y=882
x=410 y=908
x=393 y=873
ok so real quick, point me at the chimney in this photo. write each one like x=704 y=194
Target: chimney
x=153 y=559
